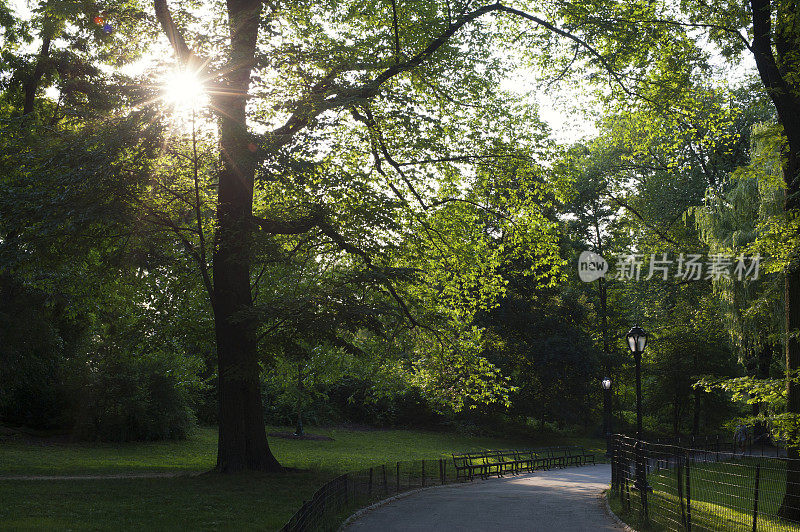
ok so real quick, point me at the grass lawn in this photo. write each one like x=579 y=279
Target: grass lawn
x=209 y=501
x=722 y=497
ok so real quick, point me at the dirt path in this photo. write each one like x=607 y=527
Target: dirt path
x=556 y=500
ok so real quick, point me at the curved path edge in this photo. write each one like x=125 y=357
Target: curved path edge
x=569 y=499
x=606 y=503
x=375 y=505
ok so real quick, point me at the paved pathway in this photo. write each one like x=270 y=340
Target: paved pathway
x=557 y=500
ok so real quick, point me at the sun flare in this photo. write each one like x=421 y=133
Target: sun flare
x=184 y=90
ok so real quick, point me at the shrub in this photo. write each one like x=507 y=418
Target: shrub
x=146 y=397
x=32 y=354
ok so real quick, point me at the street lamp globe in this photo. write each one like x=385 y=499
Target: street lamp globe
x=606 y=383
x=637 y=339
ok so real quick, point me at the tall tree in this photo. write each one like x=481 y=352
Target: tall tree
x=353 y=77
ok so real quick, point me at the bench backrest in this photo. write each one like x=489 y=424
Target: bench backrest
x=532 y=453
x=461 y=460
x=464 y=460
x=564 y=450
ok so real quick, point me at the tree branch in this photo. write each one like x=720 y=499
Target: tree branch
x=572 y=37
x=174 y=35
x=638 y=215
x=396 y=33
x=164 y=221
x=317 y=102
x=776 y=85
x=340 y=241
x=706 y=25
x=291 y=227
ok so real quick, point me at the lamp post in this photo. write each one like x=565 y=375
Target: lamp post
x=607 y=413
x=637 y=340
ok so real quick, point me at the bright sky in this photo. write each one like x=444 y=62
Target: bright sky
x=566 y=123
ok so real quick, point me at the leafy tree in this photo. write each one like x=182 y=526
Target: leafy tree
x=768 y=31
x=368 y=89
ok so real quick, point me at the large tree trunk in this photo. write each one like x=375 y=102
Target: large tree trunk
x=790 y=507
x=242 y=434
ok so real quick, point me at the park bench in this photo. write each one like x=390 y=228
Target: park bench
x=502 y=462
x=530 y=460
x=571 y=455
x=483 y=464
x=487 y=463
x=466 y=467
x=585 y=457
x=556 y=457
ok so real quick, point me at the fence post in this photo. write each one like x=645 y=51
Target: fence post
x=369 y=488
x=641 y=476
x=423 y=473
x=625 y=466
x=614 y=465
x=688 y=492
x=398 y=477
x=346 y=477
x=385 y=483
x=679 y=479
x=628 y=487
x=755 y=497
x=441 y=470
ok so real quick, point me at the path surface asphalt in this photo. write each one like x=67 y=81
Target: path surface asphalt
x=557 y=500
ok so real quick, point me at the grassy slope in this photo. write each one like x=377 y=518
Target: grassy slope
x=722 y=498
x=209 y=501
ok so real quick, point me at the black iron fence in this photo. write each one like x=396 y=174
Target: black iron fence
x=661 y=486
x=338 y=498
x=762 y=446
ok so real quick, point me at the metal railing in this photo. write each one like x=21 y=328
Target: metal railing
x=669 y=487
x=339 y=497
